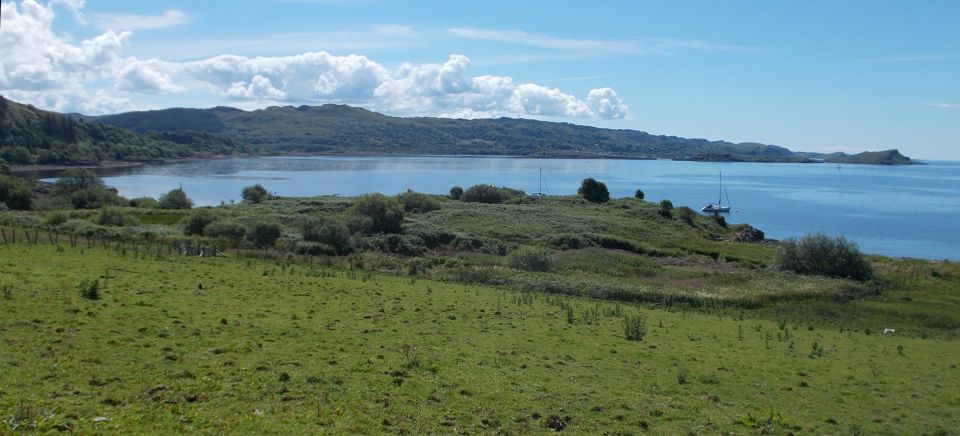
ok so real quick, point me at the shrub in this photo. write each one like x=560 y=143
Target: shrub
x=638 y=195
x=264 y=234
x=15 y=193
x=89 y=289
x=254 y=194
x=822 y=255
x=490 y=194
x=456 y=192
x=76 y=179
x=593 y=191
x=384 y=213
x=110 y=217
x=331 y=232
x=634 y=328
x=229 y=230
x=4 y=168
x=197 y=222
x=55 y=218
x=686 y=215
x=145 y=202
x=417 y=202
x=175 y=199
x=666 y=208
x=93 y=198
x=393 y=243
x=530 y=259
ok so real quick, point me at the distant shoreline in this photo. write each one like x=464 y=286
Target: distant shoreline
x=41 y=168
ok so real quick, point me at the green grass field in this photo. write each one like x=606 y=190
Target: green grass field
x=211 y=345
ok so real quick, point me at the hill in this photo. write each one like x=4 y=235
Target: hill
x=345 y=129
x=885 y=157
x=33 y=136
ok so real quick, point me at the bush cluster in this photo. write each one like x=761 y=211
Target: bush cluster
x=417 y=202
x=593 y=191
x=822 y=255
x=383 y=214
x=530 y=259
x=490 y=194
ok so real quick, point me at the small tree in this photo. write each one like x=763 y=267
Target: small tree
x=593 y=191
x=666 y=208
x=76 y=179
x=820 y=254
x=417 y=202
x=110 y=217
x=264 y=234
x=456 y=192
x=175 y=199
x=229 y=230
x=638 y=195
x=198 y=221
x=254 y=194
x=385 y=214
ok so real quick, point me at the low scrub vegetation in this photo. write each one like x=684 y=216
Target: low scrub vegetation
x=820 y=254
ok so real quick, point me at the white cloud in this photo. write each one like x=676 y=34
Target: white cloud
x=93 y=76
x=168 y=18
x=259 y=88
x=147 y=77
x=593 y=47
x=534 y=99
x=942 y=105
x=606 y=103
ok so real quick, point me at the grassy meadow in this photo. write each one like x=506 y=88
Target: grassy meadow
x=228 y=345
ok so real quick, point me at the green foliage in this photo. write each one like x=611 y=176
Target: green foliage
x=15 y=193
x=264 y=234
x=484 y=193
x=197 y=222
x=638 y=194
x=593 y=191
x=331 y=231
x=456 y=192
x=4 y=168
x=110 y=217
x=78 y=179
x=634 y=327
x=530 y=259
x=55 y=218
x=417 y=202
x=230 y=230
x=384 y=213
x=666 y=208
x=145 y=202
x=89 y=289
x=255 y=194
x=686 y=215
x=175 y=199
x=93 y=198
x=820 y=254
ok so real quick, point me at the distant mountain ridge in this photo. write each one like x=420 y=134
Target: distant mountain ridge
x=334 y=128
x=342 y=129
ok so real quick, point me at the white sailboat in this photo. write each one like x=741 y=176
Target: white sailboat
x=719 y=207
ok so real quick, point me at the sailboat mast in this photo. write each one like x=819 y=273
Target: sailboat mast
x=720 y=190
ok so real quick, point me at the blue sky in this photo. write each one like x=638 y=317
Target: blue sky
x=808 y=75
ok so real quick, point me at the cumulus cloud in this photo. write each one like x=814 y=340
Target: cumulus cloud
x=606 y=103
x=93 y=76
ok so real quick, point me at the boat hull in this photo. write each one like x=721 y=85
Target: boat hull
x=710 y=208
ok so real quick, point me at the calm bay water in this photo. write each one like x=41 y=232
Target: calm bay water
x=899 y=211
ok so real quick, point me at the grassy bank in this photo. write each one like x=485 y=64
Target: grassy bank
x=225 y=345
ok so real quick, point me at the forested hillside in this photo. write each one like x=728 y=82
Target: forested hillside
x=32 y=136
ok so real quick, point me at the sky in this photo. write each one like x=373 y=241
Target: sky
x=810 y=75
